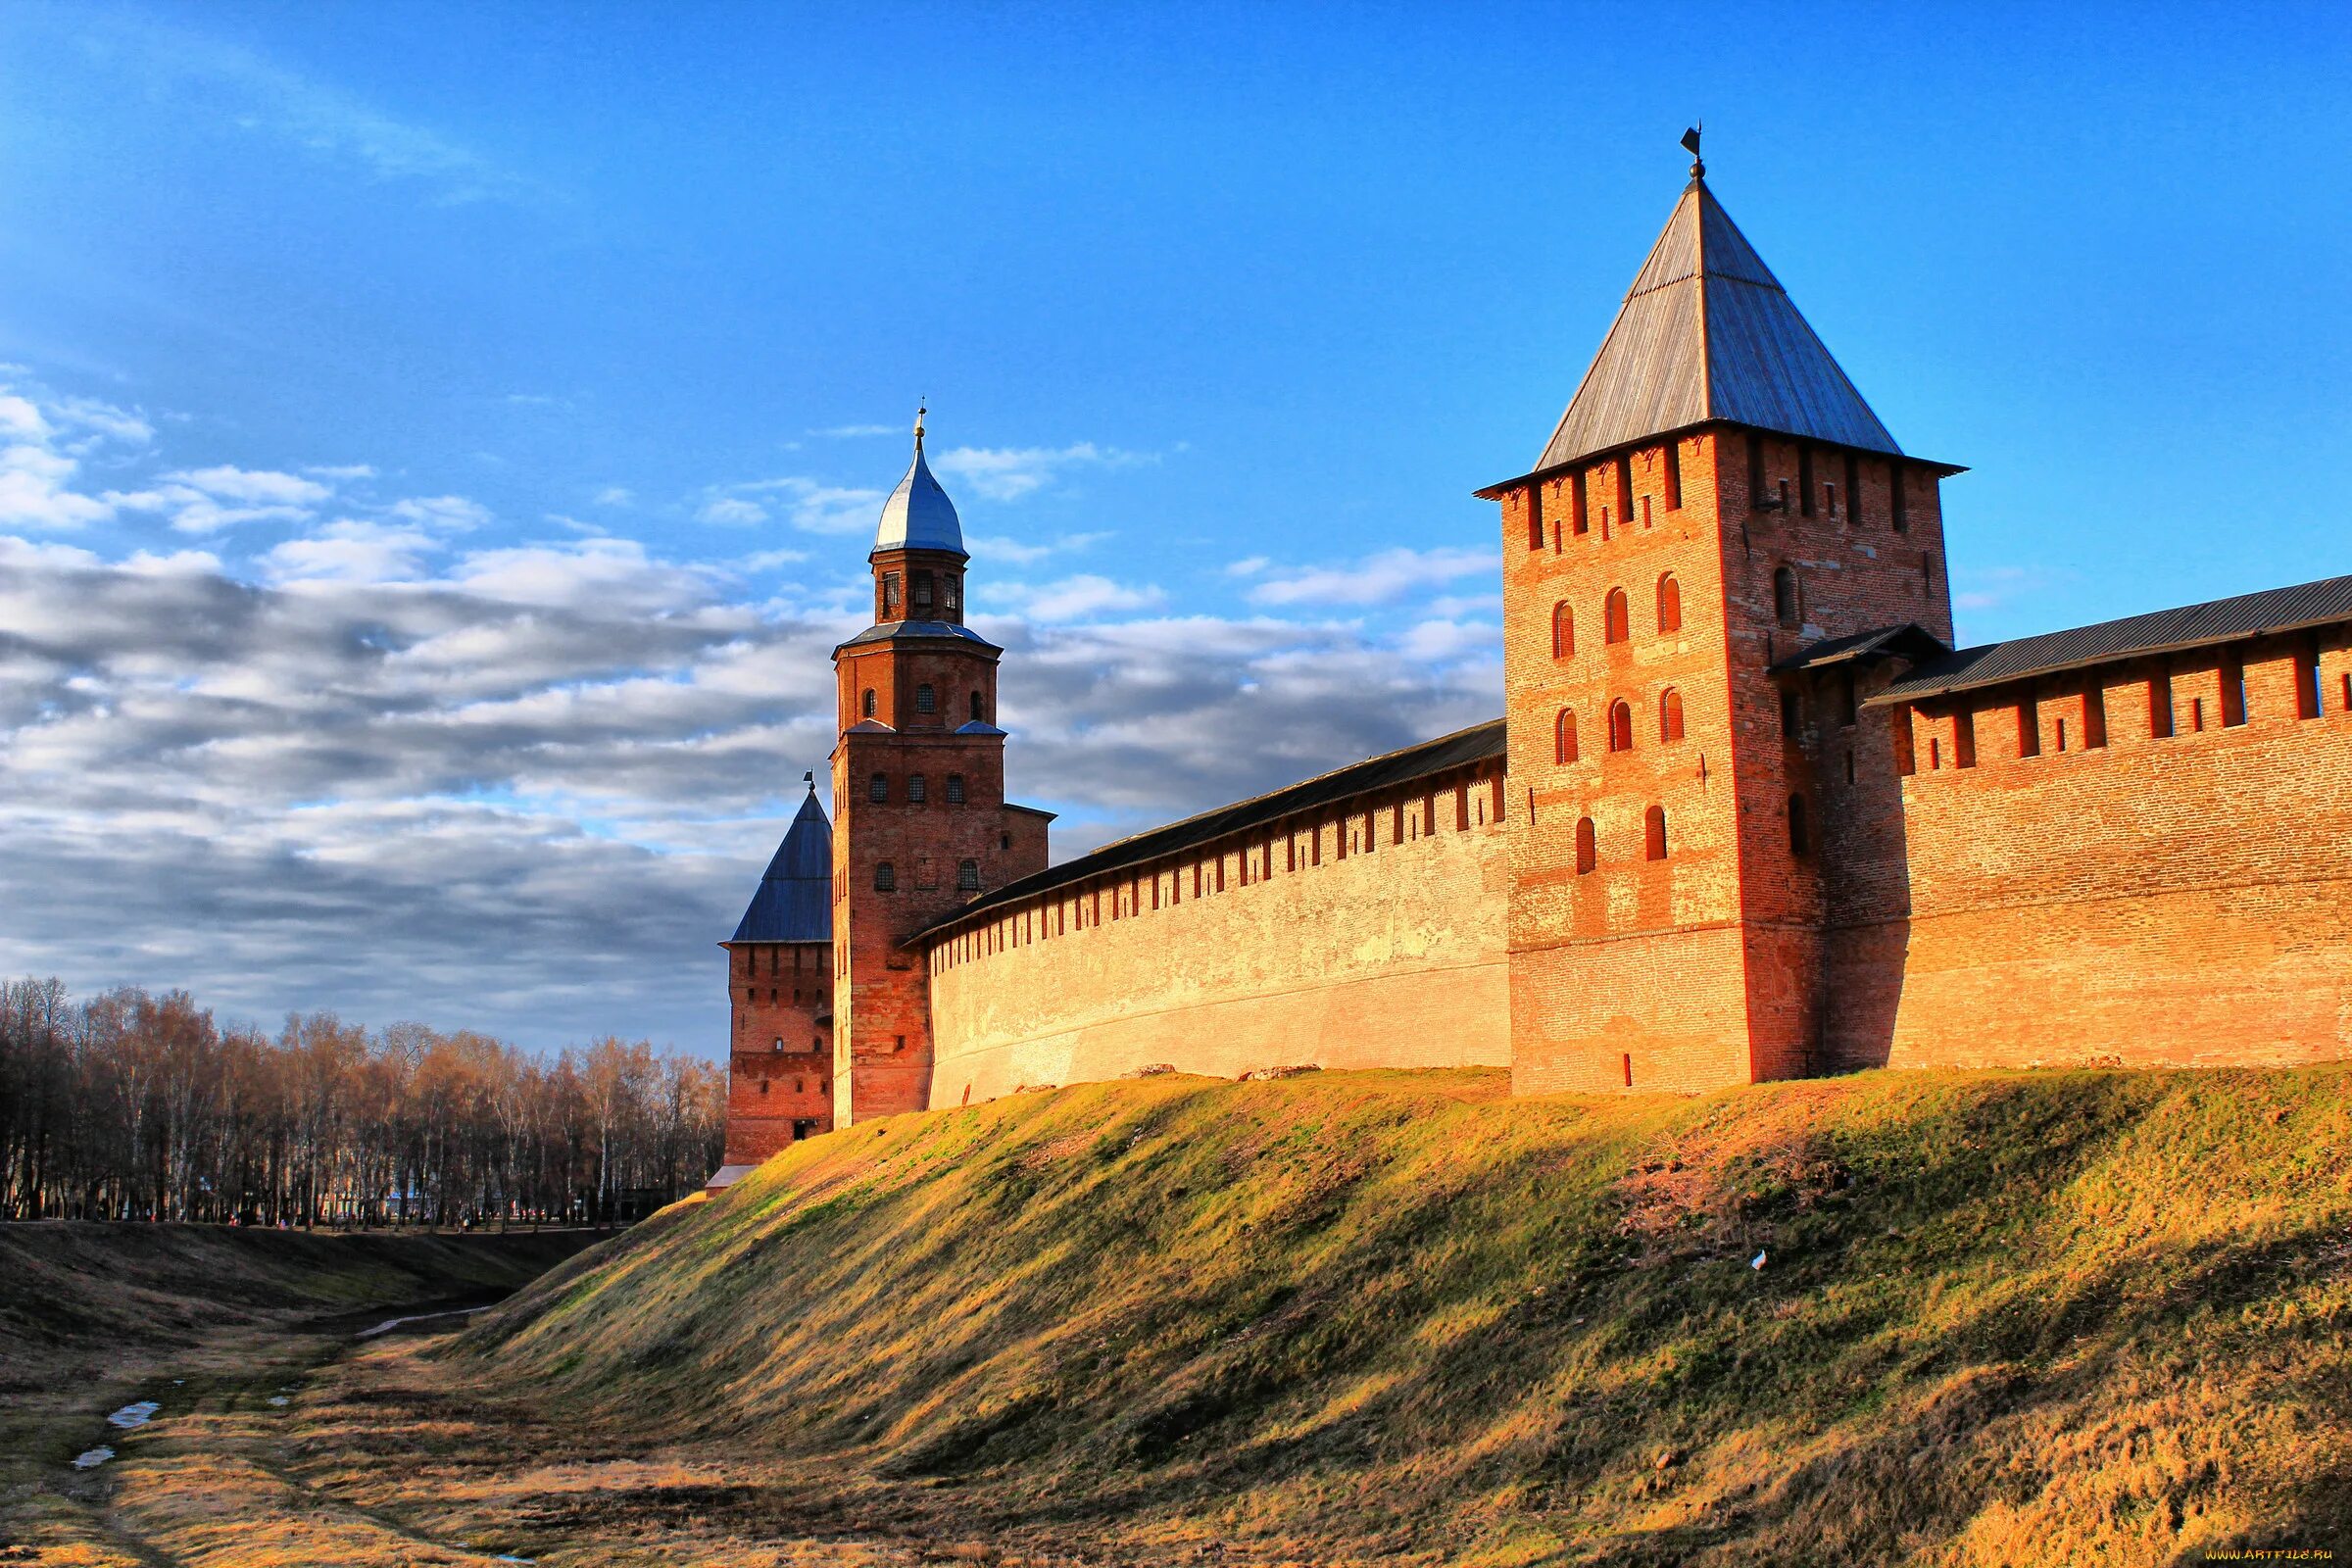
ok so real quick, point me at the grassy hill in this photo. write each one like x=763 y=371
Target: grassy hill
x=1998 y=1318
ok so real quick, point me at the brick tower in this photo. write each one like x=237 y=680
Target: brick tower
x=919 y=790
x=779 y=1000
x=1717 y=556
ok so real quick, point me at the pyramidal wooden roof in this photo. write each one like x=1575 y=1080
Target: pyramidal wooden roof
x=1707 y=333
x=794 y=901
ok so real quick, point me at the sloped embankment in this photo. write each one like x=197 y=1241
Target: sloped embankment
x=2031 y=1318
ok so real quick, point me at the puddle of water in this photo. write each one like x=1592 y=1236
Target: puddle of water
x=134 y=1415
x=391 y=1323
x=93 y=1458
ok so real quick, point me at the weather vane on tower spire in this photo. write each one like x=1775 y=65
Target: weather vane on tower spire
x=1698 y=170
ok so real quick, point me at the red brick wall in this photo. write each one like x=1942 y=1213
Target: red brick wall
x=1327 y=940
x=777 y=991
x=2155 y=900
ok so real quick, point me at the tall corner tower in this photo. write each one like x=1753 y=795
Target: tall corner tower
x=918 y=791
x=1718 y=554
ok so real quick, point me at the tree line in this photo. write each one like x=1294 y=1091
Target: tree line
x=135 y=1107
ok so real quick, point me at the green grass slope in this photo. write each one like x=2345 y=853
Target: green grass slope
x=2002 y=1318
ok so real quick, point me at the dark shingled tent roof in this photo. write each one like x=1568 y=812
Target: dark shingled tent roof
x=794 y=901
x=1478 y=744
x=2221 y=620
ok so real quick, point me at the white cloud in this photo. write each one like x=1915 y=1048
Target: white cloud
x=733 y=512
x=1077 y=598
x=1007 y=474
x=1378 y=579
x=257 y=486
x=998 y=550
x=845 y=431
x=1248 y=567
x=349 y=551
x=341 y=470
x=443 y=513
x=808 y=505
x=615 y=495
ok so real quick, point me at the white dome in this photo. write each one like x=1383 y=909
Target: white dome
x=919 y=515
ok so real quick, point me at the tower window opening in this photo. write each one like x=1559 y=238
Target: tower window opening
x=1785 y=606
x=1653 y=833
x=916 y=789
x=1801 y=839
x=955 y=789
x=926 y=699
x=1670 y=716
x=1829 y=494
x=1674 y=475
x=950 y=594
x=877 y=788
x=1563 y=737
x=2346 y=707
x=1804 y=481
x=2060 y=723
x=2029 y=728
x=1646 y=511
x=2160 y=705
x=1899 y=500
x=968 y=877
x=1615 y=623
x=2196 y=715
x=922 y=590
x=1535 y=515
x=2308 y=703
x=1004 y=841
x=886 y=878
x=1935 y=754
x=1849 y=767
x=1621 y=726
x=1853 y=490
x=1625 y=486
x=1629 y=1067
x=1906 y=757
x=978 y=714
x=865 y=704
x=1564 y=630
x=1846 y=709
x=1670 y=603
x=890 y=596
x=1964 y=738
x=2094 y=719
x=1588 y=851
x=1793 y=712
x=1580 y=516
x=764 y=1086
x=1755 y=472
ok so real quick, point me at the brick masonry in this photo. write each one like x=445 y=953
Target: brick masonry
x=780 y=1047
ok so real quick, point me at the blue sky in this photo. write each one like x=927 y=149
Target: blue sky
x=443 y=435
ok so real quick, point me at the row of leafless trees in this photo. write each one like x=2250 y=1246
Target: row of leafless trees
x=137 y=1107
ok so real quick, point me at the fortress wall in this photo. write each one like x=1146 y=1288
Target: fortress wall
x=2155 y=900
x=1370 y=936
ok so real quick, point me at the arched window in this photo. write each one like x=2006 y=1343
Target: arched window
x=1670 y=714
x=1653 y=833
x=1785 y=608
x=1564 y=630
x=968 y=877
x=926 y=700
x=1621 y=727
x=877 y=788
x=1615 y=627
x=1563 y=737
x=977 y=715
x=886 y=878
x=955 y=789
x=1670 y=603
x=865 y=704
x=916 y=790
x=1588 y=855
x=1801 y=838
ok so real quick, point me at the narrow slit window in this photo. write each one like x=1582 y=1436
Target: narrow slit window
x=1535 y=516
x=1853 y=490
x=1784 y=605
x=1964 y=738
x=1906 y=759
x=1578 y=513
x=2094 y=719
x=2029 y=728
x=1615 y=623
x=1563 y=737
x=1653 y=833
x=1899 y=500
x=1848 y=710
x=1564 y=630
x=1670 y=603
x=865 y=704
x=1674 y=475
x=1670 y=716
x=1625 y=486
x=1792 y=713
x=1621 y=726
x=1588 y=853
x=2307 y=679
x=2160 y=705
x=2233 y=690
x=1755 y=473
x=1804 y=480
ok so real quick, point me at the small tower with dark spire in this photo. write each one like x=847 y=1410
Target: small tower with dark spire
x=918 y=791
x=781 y=999
x=1711 y=564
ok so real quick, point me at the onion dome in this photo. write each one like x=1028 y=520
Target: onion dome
x=919 y=515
